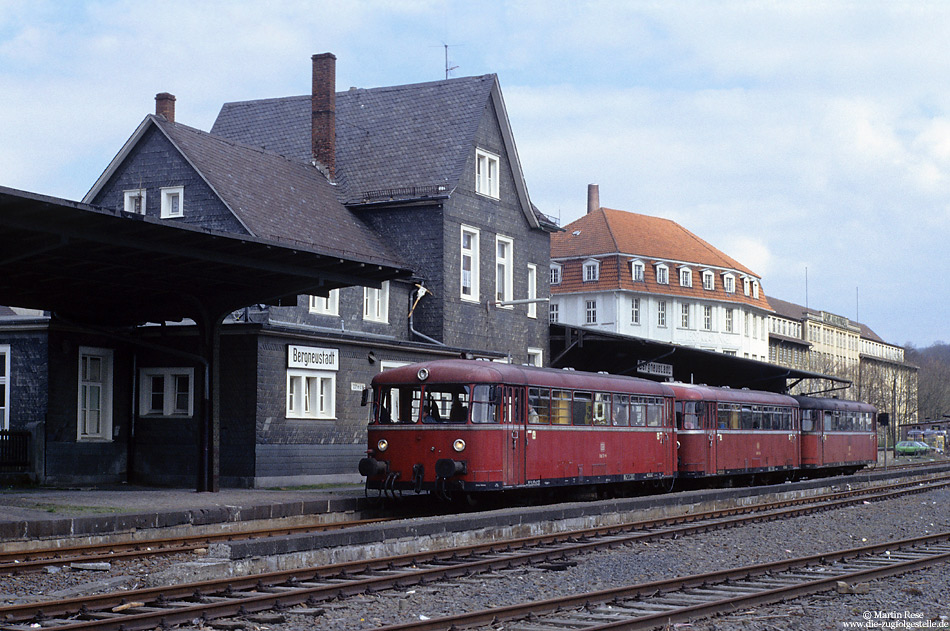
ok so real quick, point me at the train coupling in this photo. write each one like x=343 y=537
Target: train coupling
x=370 y=467
x=446 y=467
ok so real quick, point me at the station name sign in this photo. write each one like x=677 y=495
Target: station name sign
x=656 y=368
x=313 y=358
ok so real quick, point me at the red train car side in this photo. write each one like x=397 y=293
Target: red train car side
x=722 y=431
x=837 y=434
x=464 y=425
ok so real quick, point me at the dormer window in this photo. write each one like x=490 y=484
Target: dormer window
x=729 y=283
x=135 y=201
x=486 y=173
x=173 y=202
x=591 y=271
x=709 y=280
x=555 y=273
x=686 y=277
x=745 y=286
x=755 y=289
x=662 y=274
x=636 y=271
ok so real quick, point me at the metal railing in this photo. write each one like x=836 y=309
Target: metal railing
x=14 y=450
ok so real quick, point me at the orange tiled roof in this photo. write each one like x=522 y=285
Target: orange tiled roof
x=616 y=237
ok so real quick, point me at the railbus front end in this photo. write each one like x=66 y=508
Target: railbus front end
x=837 y=435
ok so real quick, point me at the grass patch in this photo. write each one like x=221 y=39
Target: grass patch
x=315 y=487
x=74 y=509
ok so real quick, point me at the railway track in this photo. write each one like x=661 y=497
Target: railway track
x=660 y=604
x=148 y=608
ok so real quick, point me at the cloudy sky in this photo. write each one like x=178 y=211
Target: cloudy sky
x=808 y=140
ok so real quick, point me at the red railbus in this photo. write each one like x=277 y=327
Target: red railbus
x=837 y=435
x=722 y=431
x=464 y=425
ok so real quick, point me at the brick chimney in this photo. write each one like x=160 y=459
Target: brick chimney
x=323 y=111
x=593 y=198
x=165 y=106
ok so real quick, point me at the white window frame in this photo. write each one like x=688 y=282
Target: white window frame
x=755 y=289
x=591 y=271
x=554 y=313
x=168 y=193
x=4 y=386
x=169 y=394
x=504 y=271
x=684 y=315
x=590 y=311
x=635 y=311
x=637 y=271
x=745 y=286
x=532 y=290
x=376 y=303
x=487 y=169
x=469 y=255
x=555 y=273
x=707 y=317
x=662 y=274
x=686 y=277
x=729 y=283
x=661 y=314
x=709 y=280
x=326 y=306
x=535 y=357
x=730 y=320
x=129 y=198
x=311 y=394
x=104 y=385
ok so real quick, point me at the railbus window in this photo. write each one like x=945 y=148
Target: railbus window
x=808 y=425
x=484 y=404
x=638 y=412
x=539 y=405
x=601 y=408
x=560 y=407
x=445 y=403
x=828 y=422
x=687 y=414
x=620 y=410
x=655 y=412
x=398 y=405
x=582 y=410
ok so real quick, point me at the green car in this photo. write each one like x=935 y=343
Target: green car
x=911 y=448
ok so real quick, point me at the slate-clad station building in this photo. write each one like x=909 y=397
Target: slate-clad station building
x=423 y=177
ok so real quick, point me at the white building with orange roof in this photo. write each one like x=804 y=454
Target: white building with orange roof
x=649 y=277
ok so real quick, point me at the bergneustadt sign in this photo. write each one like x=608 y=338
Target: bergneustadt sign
x=313 y=358
x=656 y=368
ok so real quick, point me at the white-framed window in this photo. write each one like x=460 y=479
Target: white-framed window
x=707 y=317
x=532 y=290
x=636 y=271
x=470 y=264
x=135 y=201
x=684 y=315
x=504 y=269
x=553 y=313
x=591 y=271
x=730 y=327
x=329 y=305
x=709 y=280
x=535 y=357
x=94 y=403
x=686 y=277
x=4 y=386
x=376 y=303
x=755 y=289
x=729 y=283
x=635 y=311
x=555 y=273
x=591 y=312
x=166 y=392
x=311 y=394
x=661 y=313
x=745 y=286
x=173 y=202
x=662 y=275
x=486 y=173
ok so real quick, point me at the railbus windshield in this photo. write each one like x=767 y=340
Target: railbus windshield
x=436 y=404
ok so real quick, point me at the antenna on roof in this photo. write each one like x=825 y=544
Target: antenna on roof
x=447 y=68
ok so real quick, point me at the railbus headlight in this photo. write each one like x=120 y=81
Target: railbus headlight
x=458 y=445
x=382 y=445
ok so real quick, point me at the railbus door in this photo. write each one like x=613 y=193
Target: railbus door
x=711 y=423
x=515 y=430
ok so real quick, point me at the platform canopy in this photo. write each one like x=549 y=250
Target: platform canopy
x=585 y=349
x=114 y=268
